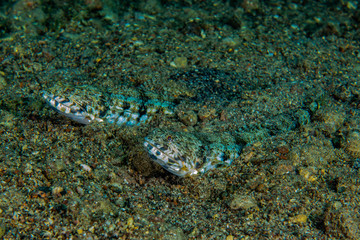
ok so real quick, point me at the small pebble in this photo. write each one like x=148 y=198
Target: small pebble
x=307 y=175
x=230 y=237
x=2 y=230
x=242 y=202
x=301 y=218
x=179 y=62
x=189 y=118
x=230 y=42
x=205 y=113
x=86 y=167
x=80 y=191
x=57 y=191
x=2 y=83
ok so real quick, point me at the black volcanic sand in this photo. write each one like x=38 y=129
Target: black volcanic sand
x=281 y=77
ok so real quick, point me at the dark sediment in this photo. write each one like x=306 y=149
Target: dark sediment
x=281 y=78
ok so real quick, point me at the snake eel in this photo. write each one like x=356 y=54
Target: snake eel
x=180 y=153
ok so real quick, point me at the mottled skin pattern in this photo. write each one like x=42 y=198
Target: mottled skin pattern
x=82 y=104
x=181 y=153
x=86 y=104
x=186 y=154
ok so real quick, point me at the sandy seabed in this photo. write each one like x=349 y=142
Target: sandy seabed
x=289 y=96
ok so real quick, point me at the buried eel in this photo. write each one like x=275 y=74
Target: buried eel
x=181 y=153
